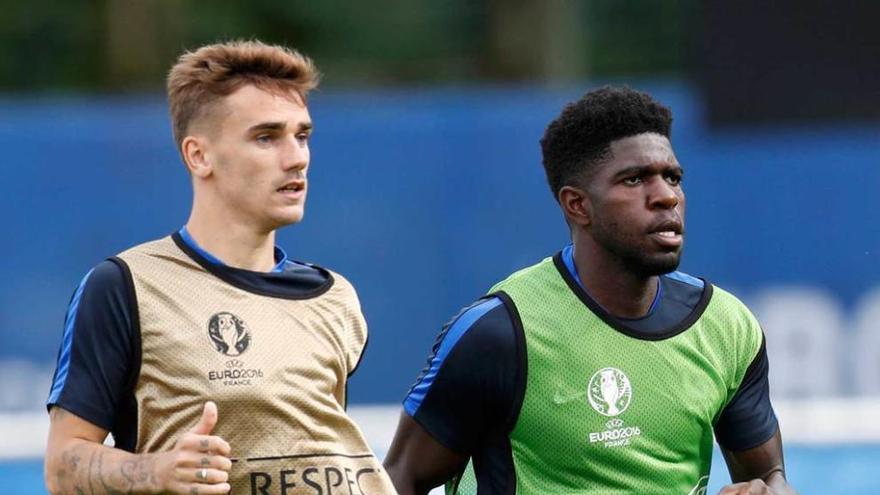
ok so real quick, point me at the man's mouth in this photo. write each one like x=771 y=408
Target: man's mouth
x=668 y=234
x=292 y=187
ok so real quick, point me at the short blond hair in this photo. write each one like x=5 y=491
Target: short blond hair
x=201 y=77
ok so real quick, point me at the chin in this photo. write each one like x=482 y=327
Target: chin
x=290 y=221
x=653 y=265
x=277 y=222
x=289 y=217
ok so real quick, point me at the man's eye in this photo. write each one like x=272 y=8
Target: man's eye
x=673 y=179
x=302 y=137
x=632 y=181
x=264 y=139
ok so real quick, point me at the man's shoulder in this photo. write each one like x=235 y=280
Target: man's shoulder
x=486 y=322
x=106 y=276
x=531 y=274
x=300 y=271
x=163 y=245
x=328 y=272
x=720 y=304
x=685 y=279
x=734 y=317
x=479 y=346
x=729 y=303
x=723 y=299
x=685 y=290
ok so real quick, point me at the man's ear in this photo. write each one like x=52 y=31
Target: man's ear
x=576 y=205
x=195 y=156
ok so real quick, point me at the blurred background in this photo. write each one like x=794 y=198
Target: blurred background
x=427 y=185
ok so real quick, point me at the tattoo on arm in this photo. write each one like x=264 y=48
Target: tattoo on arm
x=92 y=469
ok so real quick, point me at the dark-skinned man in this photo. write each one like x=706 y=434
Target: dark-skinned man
x=602 y=369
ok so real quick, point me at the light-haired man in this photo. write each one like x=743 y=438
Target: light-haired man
x=217 y=363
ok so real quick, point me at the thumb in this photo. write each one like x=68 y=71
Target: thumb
x=207 y=421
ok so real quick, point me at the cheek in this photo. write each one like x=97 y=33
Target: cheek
x=628 y=212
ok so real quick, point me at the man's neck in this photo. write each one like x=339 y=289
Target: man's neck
x=616 y=288
x=232 y=242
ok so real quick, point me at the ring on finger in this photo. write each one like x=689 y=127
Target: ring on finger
x=202 y=474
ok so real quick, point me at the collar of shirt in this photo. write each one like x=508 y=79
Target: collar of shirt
x=568 y=259
x=280 y=255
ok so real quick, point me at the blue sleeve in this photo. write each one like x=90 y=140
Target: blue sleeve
x=100 y=348
x=469 y=389
x=748 y=419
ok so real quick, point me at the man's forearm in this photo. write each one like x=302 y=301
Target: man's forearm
x=86 y=468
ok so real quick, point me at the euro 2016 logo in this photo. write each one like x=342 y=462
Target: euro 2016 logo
x=609 y=391
x=229 y=334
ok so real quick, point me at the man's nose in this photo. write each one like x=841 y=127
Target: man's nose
x=296 y=155
x=663 y=195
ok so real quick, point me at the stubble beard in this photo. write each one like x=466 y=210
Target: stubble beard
x=626 y=249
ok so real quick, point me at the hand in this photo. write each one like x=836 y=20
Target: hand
x=199 y=463
x=754 y=487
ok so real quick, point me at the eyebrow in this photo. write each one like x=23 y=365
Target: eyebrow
x=642 y=169
x=278 y=126
x=632 y=170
